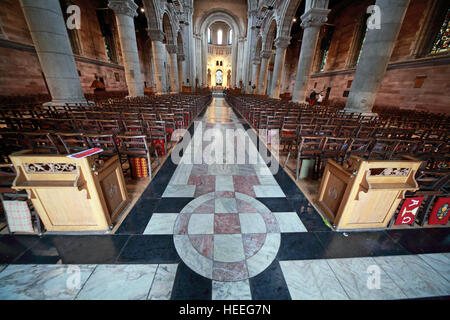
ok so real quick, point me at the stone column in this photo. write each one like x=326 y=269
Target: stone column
x=265 y=56
x=240 y=62
x=312 y=20
x=159 y=49
x=281 y=44
x=181 y=70
x=51 y=41
x=125 y=11
x=256 y=64
x=375 y=55
x=172 y=49
x=198 y=59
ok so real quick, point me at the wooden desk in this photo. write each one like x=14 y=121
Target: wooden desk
x=72 y=194
x=366 y=194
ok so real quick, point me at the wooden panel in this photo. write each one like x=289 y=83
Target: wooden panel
x=111 y=191
x=334 y=192
x=372 y=207
x=66 y=207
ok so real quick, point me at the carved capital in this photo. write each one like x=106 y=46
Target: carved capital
x=282 y=42
x=155 y=35
x=171 y=48
x=314 y=17
x=126 y=7
x=265 y=54
x=181 y=56
x=256 y=61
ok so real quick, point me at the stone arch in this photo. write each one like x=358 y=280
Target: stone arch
x=270 y=35
x=220 y=15
x=167 y=29
x=201 y=26
x=150 y=13
x=287 y=14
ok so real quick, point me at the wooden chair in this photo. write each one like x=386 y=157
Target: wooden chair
x=107 y=142
x=41 y=142
x=135 y=147
x=72 y=142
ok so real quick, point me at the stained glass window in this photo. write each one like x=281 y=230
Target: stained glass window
x=229 y=39
x=362 y=45
x=324 y=60
x=441 y=43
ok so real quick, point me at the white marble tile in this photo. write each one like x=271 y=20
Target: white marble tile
x=289 y=222
x=440 y=262
x=43 y=282
x=175 y=191
x=2 y=267
x=194 y=260
x=414 y=276
x=225 y=205
x=228 y=248
x=163 y=282
x=266 y=191
x=265 y=256
x=181 y=174
x=252 y=223
x=161 y=223
x=312 y=280
x=354 y=274
x=224 y=183
x=201 y=224
x=233 y=290
x=119 y=282
x=267 y=179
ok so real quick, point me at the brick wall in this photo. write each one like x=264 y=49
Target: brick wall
x=397 y=88
x=20 y=71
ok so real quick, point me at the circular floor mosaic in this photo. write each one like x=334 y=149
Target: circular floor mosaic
x=226 y=236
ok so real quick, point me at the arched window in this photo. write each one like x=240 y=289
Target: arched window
x=230 y=37
x=218 y=77
x=219 y=36
x=209 y=35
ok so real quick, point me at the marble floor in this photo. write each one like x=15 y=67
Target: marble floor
x=225 y=223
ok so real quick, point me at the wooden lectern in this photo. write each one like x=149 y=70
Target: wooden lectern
x=364 y=194
x=72 y=194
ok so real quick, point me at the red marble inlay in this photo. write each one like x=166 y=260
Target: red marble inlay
x=227 y=223
x=181 y=224
x=252 y=243
x=203 y=243
x=271 y=222
x=225 y=194
x=203 y=184
x=229 y=271
x=245 y=207
x=244 y=184
x=206 y=207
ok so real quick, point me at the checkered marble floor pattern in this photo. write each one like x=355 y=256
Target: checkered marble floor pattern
x=207 y=230
x=224 y=233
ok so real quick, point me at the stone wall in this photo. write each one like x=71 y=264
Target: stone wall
x=398 y=86
x=20 y=71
